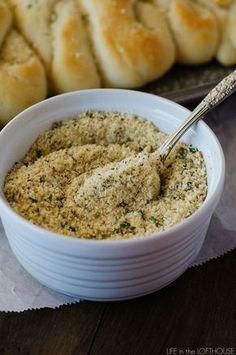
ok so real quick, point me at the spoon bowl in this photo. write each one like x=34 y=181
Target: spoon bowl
x=136 y=177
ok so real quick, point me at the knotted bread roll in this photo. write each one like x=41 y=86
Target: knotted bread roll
x=55 y=30
x=225 y=14
x=80 y=44
x=195 y=30
x=22 y=75
x=131 y=41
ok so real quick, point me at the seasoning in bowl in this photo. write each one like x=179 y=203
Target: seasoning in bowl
x=58 y=186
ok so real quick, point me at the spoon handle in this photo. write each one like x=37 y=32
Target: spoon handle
x=218 y=94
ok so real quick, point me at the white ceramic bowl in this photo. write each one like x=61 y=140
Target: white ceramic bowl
x=107 y=270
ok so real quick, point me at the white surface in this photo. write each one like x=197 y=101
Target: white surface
x=107 y=270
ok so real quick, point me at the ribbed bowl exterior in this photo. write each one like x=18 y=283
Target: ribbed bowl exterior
x=110 y=279
x=107 y=270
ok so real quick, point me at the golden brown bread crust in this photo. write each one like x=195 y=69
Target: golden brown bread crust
x=195 y=31
x=60 y=40
x=226 y=17
x=128 y=52
x=114 y=43
x=73 y=67
x=22 y=75
x=33 y=19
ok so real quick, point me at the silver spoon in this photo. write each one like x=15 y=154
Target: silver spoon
x=136 y=178
x=218 y=94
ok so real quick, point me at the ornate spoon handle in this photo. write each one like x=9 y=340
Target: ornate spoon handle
x=218 y=94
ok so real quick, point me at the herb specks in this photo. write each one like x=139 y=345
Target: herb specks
x=155 y=221
x=192 y=149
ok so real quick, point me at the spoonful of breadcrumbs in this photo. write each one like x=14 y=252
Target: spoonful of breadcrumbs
x=136 y=179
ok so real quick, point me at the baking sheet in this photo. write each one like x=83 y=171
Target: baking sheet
x=184 y=84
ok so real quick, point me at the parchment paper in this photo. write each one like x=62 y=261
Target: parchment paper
x=19 y=291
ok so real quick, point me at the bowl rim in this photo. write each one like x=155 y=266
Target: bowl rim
x=186 y=224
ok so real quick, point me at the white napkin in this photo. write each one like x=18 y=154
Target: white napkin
x=19 y=291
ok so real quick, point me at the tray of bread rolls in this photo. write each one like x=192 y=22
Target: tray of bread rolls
x=174 y=48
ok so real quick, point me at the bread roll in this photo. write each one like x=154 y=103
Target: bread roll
x=66 y=45
x=195 y=30
x=220 y=12
x=73 y=66
x=22 y=77
x=131 y=41
x=226 y=52
x=33 y=21
x=54 y=28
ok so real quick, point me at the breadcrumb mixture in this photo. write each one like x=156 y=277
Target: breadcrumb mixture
x=47 y=185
